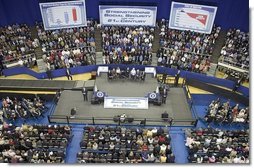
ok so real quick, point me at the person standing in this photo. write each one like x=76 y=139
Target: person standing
x=164 y=78
x=49 y=74
x=177 y=78
x=68 y=74
x=84 y=92
x=237 y=85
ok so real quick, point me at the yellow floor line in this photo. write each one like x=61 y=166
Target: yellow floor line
x=26 y=92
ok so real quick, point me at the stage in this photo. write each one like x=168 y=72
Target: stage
x=176 y=104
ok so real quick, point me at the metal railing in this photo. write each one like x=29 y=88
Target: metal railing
x=117 y=121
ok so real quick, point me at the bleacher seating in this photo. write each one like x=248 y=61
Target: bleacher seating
x=128 y=45
x=217 y=146
x=34 y=143
x=17 y=46
x=236 y=49
x=125 y=145
x=24 y=108
x=186 y=50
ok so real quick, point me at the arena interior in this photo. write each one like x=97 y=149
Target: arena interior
x=124 y=81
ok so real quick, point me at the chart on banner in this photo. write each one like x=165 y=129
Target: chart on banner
x=57 y=15
x=194 y=17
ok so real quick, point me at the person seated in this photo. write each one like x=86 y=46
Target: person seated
x=118 y=72
x=123 y=118
x=133 y=73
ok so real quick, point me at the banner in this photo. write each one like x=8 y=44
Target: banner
x=198 y=18
x=128 y=15
x=126 y=102
x=58 y=15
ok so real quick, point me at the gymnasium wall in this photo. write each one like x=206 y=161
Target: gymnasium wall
x=230 y=13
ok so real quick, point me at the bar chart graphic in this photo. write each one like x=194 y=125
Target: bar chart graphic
x=63 y=14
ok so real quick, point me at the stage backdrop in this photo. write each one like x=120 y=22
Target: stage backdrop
x=230 y=13
x=128 y=15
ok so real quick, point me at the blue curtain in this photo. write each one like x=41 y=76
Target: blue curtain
x=230 y=13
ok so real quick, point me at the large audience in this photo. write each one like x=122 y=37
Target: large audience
x=186 y=50
x=16 y=44
x=189 y=41
x=23 y=108
x=128 y=45
x=68 y=47
x=222 y=112
x=217 y=146
x=125 y=145
x=33 y=143
x=236 y=49
x=183 y=60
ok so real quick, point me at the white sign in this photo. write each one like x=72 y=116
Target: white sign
x=58 y=15
x=198 y=18
x=126 y=102
x=102 y=69
x=128 y=15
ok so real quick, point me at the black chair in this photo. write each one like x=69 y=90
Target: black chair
x=130 y=119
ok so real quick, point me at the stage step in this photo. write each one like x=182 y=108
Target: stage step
x=99 y=58
x=41 y=65
x=98 y=40
x=154 y=59
x=218 y=46
x=156 y=41
x=212 y=70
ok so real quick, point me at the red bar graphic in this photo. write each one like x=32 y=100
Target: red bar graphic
x=74 y=14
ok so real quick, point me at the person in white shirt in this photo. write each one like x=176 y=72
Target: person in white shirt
x=133 y=73
x=123 y=117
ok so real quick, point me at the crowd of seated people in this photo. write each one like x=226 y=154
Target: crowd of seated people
x=134 y=74
x=236 y=49
x=189 y=41
x=183 y=60
x=23 y=108
x=217 y=146
x=16 y=44
x=78 y=37
x=67 y=58
x=222 y=112
x=33 y=143
x=128 y=45
x=186 y=50
x=68 y=47
x=234 y=75
x=125 y=145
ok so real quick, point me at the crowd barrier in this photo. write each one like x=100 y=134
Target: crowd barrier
x=160 y=70
x=103 y=120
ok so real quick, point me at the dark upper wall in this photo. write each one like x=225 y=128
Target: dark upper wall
x=230 y=13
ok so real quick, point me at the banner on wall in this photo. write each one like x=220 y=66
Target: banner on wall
x=67 y=14
x=126 y=102
x=128 y=15
x=198 y=18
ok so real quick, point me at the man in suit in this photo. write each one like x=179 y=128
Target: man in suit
x=49 y=74
x=84 y=92
x=68 y=74
x=237 y=85
x=177 y=78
